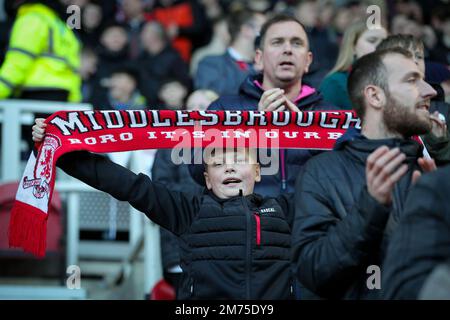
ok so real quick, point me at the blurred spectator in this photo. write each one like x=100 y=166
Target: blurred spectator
x=172 y=95
x=113 y=49
x=358 y=41
x=218 y=44
x=213 y=9
x=441 y=21
x=122 y=91
x=408 y=42
x=409 y=21
x=34 y=70
x=186 y=24
x=91 y=21
x=200 y=99
x=225 y=73
x=160 y=62
x=439 y=74
x=134 y=19
x=88 y=72
x=2 y=11
x=409 y=9
x=347 y=14
x=260 y=5
x=323 y=45
x=327 y=11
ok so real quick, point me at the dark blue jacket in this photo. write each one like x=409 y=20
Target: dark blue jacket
x=291 y=160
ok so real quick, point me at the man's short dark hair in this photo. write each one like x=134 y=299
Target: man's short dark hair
x=282 y=17
x=405 y=41
x=370 y=70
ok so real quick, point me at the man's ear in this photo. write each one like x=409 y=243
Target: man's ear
x=375 y=96
x=208 y=182
x=258 y=173
x=259 y=65
x=309 y=60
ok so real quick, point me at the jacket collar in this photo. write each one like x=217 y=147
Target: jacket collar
x=360 y=147
x=250 y=88
x=252 y=198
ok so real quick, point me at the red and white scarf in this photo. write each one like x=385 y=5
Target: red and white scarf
x=112 y=131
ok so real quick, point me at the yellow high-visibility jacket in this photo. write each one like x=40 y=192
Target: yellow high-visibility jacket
x=43 y=53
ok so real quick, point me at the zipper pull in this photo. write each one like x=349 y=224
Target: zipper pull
x=283 y=184
x=258 y=228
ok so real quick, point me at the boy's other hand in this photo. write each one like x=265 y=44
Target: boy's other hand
x=39 y=130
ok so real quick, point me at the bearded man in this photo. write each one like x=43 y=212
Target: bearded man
x=349 y=200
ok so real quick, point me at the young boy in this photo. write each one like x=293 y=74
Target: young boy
x=234 y=243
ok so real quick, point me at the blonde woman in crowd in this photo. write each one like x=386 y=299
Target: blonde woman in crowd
x=358 y=41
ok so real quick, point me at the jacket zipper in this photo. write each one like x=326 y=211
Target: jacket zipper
x=248 y=248
x=258 y=229
x=283 y=170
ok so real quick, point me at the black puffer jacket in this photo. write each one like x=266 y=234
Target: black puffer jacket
x=237 y=248
x=177 y=178
x=339 y=229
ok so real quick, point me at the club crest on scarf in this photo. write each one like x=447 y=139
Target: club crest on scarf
x=43 y=171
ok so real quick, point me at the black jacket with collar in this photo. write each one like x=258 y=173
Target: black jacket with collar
x=290 y=160
x=250 y=94
x=339 y=229
x=238 y=248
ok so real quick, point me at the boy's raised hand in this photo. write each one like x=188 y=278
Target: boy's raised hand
x=38 y=130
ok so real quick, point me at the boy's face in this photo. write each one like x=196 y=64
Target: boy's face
x=227 y=172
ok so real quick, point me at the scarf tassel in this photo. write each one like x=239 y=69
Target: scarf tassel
x=28 y=229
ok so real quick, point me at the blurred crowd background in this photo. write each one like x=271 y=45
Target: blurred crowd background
x=153 y=53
